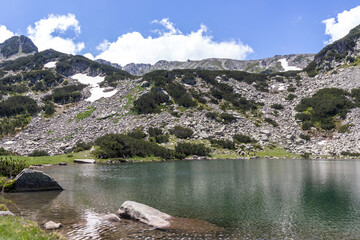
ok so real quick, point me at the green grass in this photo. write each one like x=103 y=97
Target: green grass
x=15 y=228
x=276 y=152
x=56 y=159
x=81 y=116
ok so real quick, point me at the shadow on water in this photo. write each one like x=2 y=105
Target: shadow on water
x=251 y=199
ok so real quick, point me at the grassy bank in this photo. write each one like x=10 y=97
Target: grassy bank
x=16 y=228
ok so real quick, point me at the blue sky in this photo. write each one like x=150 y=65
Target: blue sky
x=238 y=29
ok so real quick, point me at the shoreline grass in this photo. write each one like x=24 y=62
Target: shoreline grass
x=15 y=228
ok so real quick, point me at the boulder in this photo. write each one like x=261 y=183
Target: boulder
x=29 y=180
x=189 y=81
x=111 y=218
x=87 y=161
x=50 y=225
x=144 y=214
x=6 y=213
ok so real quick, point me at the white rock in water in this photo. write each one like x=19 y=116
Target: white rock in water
x=52 y=225
x=144 y=214
x=111 y=218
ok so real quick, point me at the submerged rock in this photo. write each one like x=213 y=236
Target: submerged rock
x=111 y=218
x=144 y=214
x=50 y=225
x=29 y=180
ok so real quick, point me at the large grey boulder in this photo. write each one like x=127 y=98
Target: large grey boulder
x=29 y=180
x=144 y=214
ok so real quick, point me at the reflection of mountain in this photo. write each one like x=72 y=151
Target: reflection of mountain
x=284 y=198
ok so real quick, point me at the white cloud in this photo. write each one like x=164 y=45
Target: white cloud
x=341 y=25
x=89 y=56
x=42 y=33
x=5 y=33
x=170 y=45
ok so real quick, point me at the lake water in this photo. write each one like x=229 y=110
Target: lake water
x=249 y=199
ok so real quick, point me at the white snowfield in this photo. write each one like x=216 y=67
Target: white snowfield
x=286 y=67
x=96 y=91
x=50 y=65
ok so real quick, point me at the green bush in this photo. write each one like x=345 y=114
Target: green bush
x=344 y=128
x=38 y=153
x=162 y=138
x=324 y=105
x=153 y=132
x=67 y=94
x=123 y=146
x=49 y=109
x=18 y=105
x=305 y=137
x=192 y=149
x=150 y=102
x=305 y=155
x=182 y=132
x=227 y=117
x=223 y=143
x=271 y=121
x=277 y=106
x=241 y=138
x=10 y=167
x=211 y=115
x=290 y=97
x=137 y=133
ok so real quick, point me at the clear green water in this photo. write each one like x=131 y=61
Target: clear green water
x=250 y=199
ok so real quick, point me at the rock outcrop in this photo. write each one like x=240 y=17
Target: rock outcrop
x=31 y=180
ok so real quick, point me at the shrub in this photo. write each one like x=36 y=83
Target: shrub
x=324 y=105
x=291 y=89
x=67 y=94
x=162 y=138
x=11 y=167
x=241 y=138
x=227 y=117
x=277 y=106
x=211 y=115
x=223 y=143
x=344 y=128
x=271 y=121
x=18 y=105
x=49 y=109
x=150 y=102
x=4 y=152
x=305 y=137
x=192 y=149
x=290 y=97
x=137 y=133
x=305 y=155
x=123 y=146
x=181 y=132
x=153 y=132
x=38 y=153
x=350 y=154
x=83 y=146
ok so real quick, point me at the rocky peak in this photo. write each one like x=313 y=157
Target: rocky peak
x=343 y=51
x=17 y=46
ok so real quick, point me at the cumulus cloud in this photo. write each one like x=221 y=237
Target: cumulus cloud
x=170 y=45
x=89 y=56
x=338 y=27
x=5 y=33
x=42 y=34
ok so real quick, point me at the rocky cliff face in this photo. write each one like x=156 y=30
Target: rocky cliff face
x=267 y=65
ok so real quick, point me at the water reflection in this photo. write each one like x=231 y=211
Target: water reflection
x=252 y=199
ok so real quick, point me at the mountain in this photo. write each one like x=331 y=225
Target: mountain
x=274 y=64
x=17 y=46
x=51 y=101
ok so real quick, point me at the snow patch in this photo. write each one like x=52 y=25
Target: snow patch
x=96 y=91
x=50 y=65
x=8 y=142
x=286 y=67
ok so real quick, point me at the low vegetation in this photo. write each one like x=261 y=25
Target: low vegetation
x=10 y=167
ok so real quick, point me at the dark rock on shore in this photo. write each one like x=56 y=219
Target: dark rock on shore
x=29 y=180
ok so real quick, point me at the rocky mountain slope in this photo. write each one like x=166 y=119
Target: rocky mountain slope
x=294 y=110
x=267 y=65
x=17 y=46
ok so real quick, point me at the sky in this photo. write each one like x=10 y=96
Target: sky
x=144 y=31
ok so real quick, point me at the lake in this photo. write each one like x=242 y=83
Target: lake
x=249 y=199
